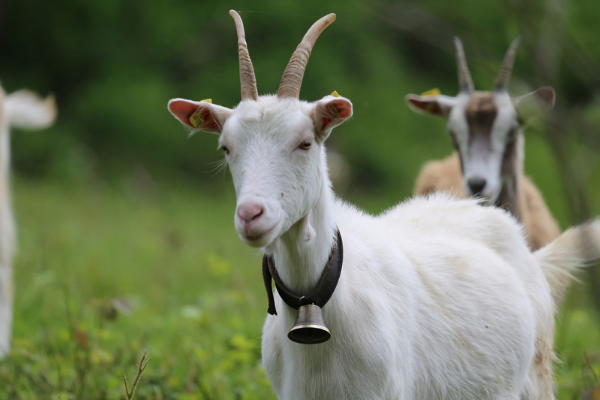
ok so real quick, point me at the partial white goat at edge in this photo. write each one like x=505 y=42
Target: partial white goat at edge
x=23 y=110
x=438 y=298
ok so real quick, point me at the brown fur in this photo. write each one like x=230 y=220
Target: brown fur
x=481 y=113
x=446 y=175
x=481 y=103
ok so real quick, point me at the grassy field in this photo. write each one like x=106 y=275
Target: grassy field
x=108 y=271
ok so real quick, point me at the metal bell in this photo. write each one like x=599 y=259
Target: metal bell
x=309 y=327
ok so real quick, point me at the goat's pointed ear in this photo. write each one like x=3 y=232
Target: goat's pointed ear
x=200 y=115
x=438 y=105
x=330 y=112
x=532 y=103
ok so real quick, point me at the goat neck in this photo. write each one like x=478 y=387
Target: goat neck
x=301 y=253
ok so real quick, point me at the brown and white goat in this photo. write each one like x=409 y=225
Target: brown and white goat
x=487 y=133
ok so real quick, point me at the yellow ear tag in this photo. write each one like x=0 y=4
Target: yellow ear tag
x=432 y=92
x=335 y=94
x=197 y=119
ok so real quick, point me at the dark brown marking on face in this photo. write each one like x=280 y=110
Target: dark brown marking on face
x=508 y=198
x=455 y=144
x=509 y=157
x=481 y=113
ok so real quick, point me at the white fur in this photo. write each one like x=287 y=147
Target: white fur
x=22 y=109
x=438 y=298
x=420 y=310
x=566 y=256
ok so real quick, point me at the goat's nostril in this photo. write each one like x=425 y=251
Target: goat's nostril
x=257 y=215
x=476 y=185
x=250 y=212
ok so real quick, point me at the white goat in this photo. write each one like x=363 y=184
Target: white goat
x=486 y=130
x=24 y=110
x=438 y=298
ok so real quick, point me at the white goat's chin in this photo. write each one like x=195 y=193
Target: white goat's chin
x=261 y=239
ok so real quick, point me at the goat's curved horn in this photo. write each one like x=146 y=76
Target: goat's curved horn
x=291 y=80
x=465 y=82
x=247 y=78
x=507 y=66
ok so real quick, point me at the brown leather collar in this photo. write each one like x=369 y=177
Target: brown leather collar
x=320 y=295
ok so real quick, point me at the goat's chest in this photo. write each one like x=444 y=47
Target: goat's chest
x=345 y=367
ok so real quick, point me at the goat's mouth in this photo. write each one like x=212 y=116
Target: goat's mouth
x=485 y=200
x=488 y=198
x=491 y=199
x=259 y=239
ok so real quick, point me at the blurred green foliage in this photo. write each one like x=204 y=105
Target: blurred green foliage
x=114 y=65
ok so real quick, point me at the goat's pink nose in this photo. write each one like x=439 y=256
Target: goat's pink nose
x=250 y=212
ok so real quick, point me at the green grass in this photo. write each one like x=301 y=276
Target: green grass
x=108 y=271
x=195 y=293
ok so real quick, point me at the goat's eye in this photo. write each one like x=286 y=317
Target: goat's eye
x=305 y=145
x=225 y=149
